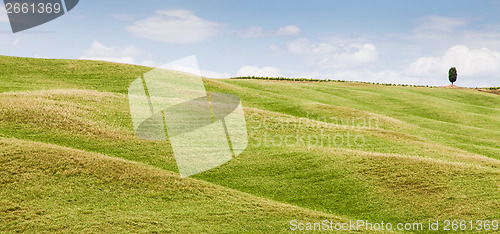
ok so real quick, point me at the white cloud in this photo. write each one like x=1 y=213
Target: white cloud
x=252 y=32
x=266 y=71
x=274 y=48
x=471 y=63
x=123 y=17
x=148 y=63
x=3 y=14
x=174 y=26
x=440 y=23
x=489 y=38
x=475 y=66
x=213 y=74
x=16 y=41
x=288 y=30
x=438 y=29
x=128 y=54
x=186 y=65
x=335 y=55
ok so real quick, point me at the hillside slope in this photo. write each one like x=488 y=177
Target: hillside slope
x=316 y=151
x=51 y=188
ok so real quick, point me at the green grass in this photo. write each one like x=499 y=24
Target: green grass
x=70 y=160
x=47 y=188
x=20 y=74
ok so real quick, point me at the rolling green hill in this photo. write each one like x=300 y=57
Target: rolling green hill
x=340 y=151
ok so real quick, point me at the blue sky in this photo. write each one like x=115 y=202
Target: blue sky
x=410 y=42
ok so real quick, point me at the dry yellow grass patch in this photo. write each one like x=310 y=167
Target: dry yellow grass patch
x=44 y=181
x=76 y=111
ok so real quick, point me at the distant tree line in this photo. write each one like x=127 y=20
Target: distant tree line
x=331 y=80
x=283 y=78
x=321 y=80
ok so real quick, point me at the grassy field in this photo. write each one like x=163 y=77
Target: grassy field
x=340 y=151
